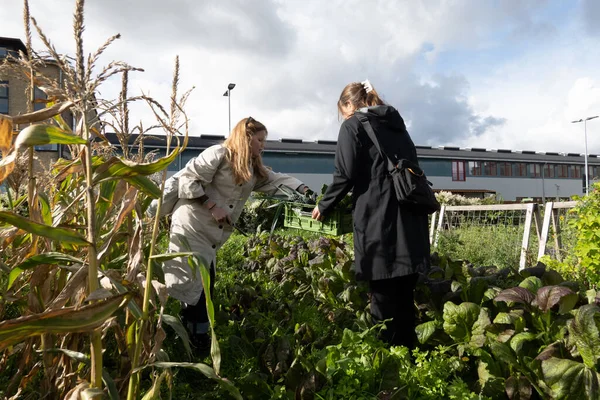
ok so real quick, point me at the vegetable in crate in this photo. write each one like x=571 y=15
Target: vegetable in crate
x=344 y=204
x=309 y=197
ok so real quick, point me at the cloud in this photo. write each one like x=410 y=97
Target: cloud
x=478 y=74
x=439 y=112
x=242 y=27
x=583 y=100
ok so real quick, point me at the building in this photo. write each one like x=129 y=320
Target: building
x=510 y=175
x=13 y=93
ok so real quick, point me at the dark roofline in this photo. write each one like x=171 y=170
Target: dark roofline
x=15 y=43
x=424 y=152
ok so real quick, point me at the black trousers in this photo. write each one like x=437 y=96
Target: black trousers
x=394 y=298
x=197 y=313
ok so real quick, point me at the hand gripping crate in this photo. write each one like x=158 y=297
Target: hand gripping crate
x=299 y=216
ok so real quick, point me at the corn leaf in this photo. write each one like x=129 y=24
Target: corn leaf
x=154 y=392
x=215 y=351
x=92 y=394
x=7 y=165
x=179 y=329
x=170 y=256
x=45 y=208
x=59 y=119
x=40 y=259
x=45 y=134
x=58 y=234
x=136 y=311
x=62 y=321
x=105 y=200
x=113 y=392
x=145 y=185
x=6 y=135
x=116 y=168
x=43 y=114
x=127 y=205
x=206 y=370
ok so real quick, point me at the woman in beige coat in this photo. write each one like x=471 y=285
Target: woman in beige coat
x=213 y=189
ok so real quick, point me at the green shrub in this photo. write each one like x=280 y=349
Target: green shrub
x=583 y=237
x=587 y=225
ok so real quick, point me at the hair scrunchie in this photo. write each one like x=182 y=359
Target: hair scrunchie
x=367 y=85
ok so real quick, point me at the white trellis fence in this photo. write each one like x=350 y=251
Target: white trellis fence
x=519 y=218
x=556 y=215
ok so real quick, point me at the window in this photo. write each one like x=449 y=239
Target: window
x=302 y=164
x=40 y=100
x=562 y=171
x=489 y=168
x=548 y=171
x=535 y=170
x=521 y=169
x=575 y=171
x=592 y=172
x=47 y=147
x=458 y=170
x=505 y=169
x=3 y=97
x=475 y=168
x=432 y=167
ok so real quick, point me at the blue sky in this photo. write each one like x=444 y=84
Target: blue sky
x=470 y=73
x=556 y=22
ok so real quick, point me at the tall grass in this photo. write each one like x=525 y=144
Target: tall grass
x=484 y=245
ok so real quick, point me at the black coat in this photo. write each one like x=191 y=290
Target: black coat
x=389 y=240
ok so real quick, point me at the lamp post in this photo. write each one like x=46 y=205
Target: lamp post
x=228 y=95
x=587 y=178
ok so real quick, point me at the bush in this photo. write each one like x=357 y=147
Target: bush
x=584 y=263
x=451 y=199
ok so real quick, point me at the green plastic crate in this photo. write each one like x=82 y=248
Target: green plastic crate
x=299 y=216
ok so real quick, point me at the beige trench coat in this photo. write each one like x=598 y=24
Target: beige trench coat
x=209 y=173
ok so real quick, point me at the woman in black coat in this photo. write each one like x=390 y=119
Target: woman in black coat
x=391 y=242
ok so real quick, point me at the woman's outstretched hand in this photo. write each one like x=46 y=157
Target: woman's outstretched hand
x=316 y=214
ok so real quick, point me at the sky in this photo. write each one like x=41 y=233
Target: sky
x=495 y=74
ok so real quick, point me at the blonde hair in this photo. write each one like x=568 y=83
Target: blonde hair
x=240 y=155
x=356 y=94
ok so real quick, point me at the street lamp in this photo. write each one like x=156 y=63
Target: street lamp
x=587 y=178
x=228 y=95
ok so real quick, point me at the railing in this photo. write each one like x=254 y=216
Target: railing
x=516 y=218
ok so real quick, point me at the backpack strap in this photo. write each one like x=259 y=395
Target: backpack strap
x=364 y=120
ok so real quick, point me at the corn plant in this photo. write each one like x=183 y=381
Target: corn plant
x=78 y=263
